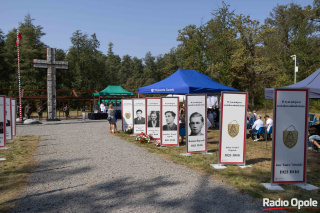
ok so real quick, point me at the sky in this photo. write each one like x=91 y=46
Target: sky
x=133 y=26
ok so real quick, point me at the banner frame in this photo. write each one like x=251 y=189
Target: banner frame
x=4 y=120
x=11 y=138
x=178 y=128
x=15 y=117
x=205 y=123
x=122 y=111
x=160 y=116
x=245 y=129
x=274 y=133
x=145 y=114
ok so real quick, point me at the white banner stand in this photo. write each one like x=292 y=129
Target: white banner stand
x=289 y=155
x=206 y=153
x=186 y=154
x=272 y=187
x=218 y=166
x=306 y=186
x=233 y=130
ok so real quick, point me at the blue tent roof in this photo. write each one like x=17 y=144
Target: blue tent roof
x=312 y=82
x=185 y=82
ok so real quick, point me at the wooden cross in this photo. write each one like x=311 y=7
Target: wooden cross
x=51 y=65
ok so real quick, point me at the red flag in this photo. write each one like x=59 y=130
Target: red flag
x=18 y=39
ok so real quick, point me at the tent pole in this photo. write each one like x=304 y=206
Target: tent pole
x=265 y=114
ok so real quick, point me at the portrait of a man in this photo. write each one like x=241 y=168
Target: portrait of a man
x=153 y=119
x=170 y=126
x=196 y=123
x=139 y=119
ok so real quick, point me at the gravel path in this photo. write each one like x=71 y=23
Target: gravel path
x=81 y=168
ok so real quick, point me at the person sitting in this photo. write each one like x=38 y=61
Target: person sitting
x=315 y=140
x=269 y=124
x=255 y=127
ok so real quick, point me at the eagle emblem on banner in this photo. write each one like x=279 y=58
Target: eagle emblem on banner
x=127 y=115
x=233 y=128
x=290 y=137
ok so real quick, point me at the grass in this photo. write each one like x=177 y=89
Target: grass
x=15 y=169
x=246 y=180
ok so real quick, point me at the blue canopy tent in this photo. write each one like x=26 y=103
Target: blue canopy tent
x=185 y=82
x=312 y=82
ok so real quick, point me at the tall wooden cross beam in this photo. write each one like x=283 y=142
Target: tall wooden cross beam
x=51 y=65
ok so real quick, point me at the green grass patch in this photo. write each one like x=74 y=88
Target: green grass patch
x=15 y=169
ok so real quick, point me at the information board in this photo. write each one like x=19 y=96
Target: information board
x=8 y=119
x=196 y=123
x=290 y=135
x=2 y=120
x=233 y=127
x=170 y=121
x=127 y=114
x=154 y=117
x=139 y=110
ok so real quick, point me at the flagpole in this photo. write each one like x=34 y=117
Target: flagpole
x=20 y=110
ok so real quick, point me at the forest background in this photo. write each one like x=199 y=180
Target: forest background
x=230 y=48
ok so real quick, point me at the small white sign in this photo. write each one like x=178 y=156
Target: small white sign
x=169 y=121
x=290 y=135
x=233 y=127
x=127 y=114
x=153 y=117
x=196 y=123
x=2 y=120
x=139 y=110
x=8 y=119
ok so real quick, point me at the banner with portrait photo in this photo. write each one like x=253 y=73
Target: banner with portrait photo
x=139 y=115
x=2 y=120
x=127 y=114
x=8 y=119
x=290 y=135
x=169 y=121
x=14 y=115
x=233 y=127
x=154 y=116
x=196 y=123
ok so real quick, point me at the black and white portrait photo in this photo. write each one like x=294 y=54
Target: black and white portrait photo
x=170 y=120
x=153 y=119
x=138 y=118
x=196 y=123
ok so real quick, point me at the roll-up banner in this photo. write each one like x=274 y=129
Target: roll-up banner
x=196 y=123
x=233 y=127
x=8 y=119
x=169 y=121
x=2 y=121
x=14 y=115
x=139 y=111
x=127 y=114
x=154 y=116
x=290 y=122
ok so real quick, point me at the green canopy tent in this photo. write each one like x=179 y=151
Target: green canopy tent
x=112 y=90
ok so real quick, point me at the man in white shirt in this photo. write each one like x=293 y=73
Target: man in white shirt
x=269 y=124
x=256 y=126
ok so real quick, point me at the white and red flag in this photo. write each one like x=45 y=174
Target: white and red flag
x=19 y=37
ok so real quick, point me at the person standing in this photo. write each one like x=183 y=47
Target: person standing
x=112 y=119
x=66 y=111
x=28 y=111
